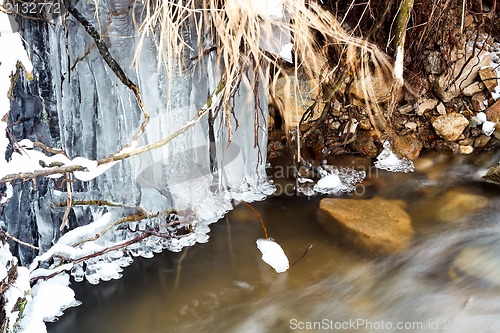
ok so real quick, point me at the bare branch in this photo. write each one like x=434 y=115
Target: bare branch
x=121 y=155
x=6 y=234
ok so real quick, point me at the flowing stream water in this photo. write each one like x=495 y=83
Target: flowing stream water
x=448 y=280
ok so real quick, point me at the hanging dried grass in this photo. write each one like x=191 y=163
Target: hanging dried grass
x=242 y=33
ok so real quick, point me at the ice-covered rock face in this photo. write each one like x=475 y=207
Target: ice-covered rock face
x=78 y=104
x=81 y=106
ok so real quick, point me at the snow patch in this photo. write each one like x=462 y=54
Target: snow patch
x=488 y=126
x=273 y=255
x=49 y=299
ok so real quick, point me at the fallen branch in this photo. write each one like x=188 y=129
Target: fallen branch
x=144 y=234
x=93 y=255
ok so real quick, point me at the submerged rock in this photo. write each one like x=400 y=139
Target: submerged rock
x=449 y=207
x=377 y=225
x=450 y=126
x=478 y=266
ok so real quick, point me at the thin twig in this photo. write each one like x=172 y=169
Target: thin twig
x=258 y=216
x=68 y=201
x=6 y=234
x=310 y=246
x=113 y=64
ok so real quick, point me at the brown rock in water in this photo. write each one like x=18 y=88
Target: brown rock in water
x=478 y=266
x=450 y=126
x=377 y=225
x=489 y=77
x=493 y=174
x=449 y=207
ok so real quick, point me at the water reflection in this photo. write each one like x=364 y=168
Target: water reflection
x=438 y=285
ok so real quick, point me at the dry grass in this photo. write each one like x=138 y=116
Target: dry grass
x=236 y=29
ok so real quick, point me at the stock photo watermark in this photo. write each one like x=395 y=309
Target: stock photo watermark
x=429 y=325
x=43 y=10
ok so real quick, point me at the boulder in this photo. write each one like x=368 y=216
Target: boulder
x=377 y=225
x=450 y=126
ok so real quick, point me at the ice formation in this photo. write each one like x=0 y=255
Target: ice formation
x=198 y=173
x=387 y=160
x=332 y=180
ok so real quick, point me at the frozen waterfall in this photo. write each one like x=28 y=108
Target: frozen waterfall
x=83 y=108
